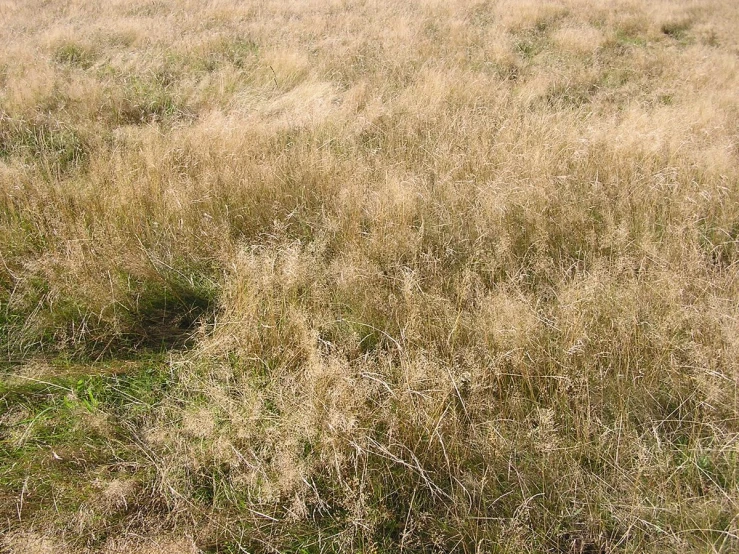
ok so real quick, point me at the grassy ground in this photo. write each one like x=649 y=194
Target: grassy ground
x=369 y=276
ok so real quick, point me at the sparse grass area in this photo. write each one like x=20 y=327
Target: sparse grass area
x=369 y=276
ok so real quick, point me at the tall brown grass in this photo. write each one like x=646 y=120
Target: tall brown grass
x=433 y=276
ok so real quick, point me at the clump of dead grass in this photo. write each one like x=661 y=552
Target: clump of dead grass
x=432 y=276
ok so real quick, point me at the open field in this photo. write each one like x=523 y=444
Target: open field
x=369 y=276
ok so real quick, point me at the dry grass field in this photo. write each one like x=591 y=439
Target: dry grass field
x=369 y=276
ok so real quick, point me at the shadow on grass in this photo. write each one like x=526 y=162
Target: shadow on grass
x=159 y=313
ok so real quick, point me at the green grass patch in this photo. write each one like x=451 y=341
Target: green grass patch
x=239 y=51
x=53 y=146
x=676 y=28
x=630 y=36
x=64 y=434
x=75 y=54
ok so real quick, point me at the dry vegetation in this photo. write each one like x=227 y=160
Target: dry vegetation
x=369 y=276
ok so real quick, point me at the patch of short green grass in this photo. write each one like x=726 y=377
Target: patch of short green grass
x=54 y=146
x=75 y=54
x=67 y=433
